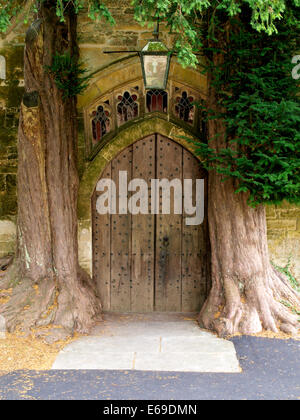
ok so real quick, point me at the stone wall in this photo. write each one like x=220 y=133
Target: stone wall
x=7 y=237
x=284 y=235
x=11 y=91
x=94 y=37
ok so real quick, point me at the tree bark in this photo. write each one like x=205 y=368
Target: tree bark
x=49 y=287
x=247 y=291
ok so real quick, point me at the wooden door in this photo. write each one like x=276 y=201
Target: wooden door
x=150 y=262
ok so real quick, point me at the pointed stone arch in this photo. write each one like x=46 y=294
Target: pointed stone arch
x=123 y=139
x=124 y=76
x=127 y=70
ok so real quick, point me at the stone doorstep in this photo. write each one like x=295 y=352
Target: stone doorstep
x=149 y=325
x=188 y=362
x=178 y=344
x=178 y=354
x=113 y=345
x=150 y=342
x=129 y=332
x=167 y=362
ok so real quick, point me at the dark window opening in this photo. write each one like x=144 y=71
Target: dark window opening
x=127 y=108
x=157 y=100
x=184 y=108
x=100 y=124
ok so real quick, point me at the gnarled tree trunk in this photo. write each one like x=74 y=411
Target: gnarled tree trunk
x=247 y=291
x=49 y=287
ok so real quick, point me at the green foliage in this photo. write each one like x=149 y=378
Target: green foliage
x=286 y=270
x=96 y=10
x=181 y=16
x=260 y=104
x=185 y=18
x=69 y=75
x=4 y=19
x=292 y=308
x=257 y=99
x=8 y=11
x=293 y=282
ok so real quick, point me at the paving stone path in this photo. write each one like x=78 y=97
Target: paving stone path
x=150 y=342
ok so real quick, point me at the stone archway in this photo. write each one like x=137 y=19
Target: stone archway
x=175 y=301
x=137 y=130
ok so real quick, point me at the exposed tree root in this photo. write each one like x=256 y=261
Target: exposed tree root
x=247 y=293
x=251 y=305
x=49 y=302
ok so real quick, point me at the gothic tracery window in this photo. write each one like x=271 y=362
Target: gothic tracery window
x=124 y=104
x=101 y=123
x=184 y=107
x=127 y=108
x=157 y=100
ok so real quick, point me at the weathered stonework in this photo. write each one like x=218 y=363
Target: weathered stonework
x=136 y=131
x=284 y=235
x=85 y=244
x=7 y=237
x=110 y=71
x=11 y=91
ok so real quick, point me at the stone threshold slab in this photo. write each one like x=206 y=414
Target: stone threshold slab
x=150 y=342
x=165 y=362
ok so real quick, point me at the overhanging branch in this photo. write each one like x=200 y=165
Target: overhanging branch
x=17 y=21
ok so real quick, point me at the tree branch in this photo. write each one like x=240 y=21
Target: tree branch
x=17 y=21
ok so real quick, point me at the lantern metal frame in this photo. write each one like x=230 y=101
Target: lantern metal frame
x=166 y=75
x=161 y=52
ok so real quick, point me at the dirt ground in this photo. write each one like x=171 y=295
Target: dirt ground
x=28 y=353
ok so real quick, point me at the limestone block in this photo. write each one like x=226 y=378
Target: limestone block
x=288 y=224
x=7 y=230
x=85 y=248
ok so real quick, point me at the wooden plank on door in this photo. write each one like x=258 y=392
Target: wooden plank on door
x=168 y=232
x=101 y=248
x=193 y=246
x=143 y=230
x=121 y=241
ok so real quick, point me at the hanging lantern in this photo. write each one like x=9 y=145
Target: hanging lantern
x=155 y=59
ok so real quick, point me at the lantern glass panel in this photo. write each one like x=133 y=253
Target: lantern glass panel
x=156 y=67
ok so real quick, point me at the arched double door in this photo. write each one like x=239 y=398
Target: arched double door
x=150 y=262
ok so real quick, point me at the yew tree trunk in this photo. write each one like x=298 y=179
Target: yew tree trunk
x=247 y=292
x=49 y=287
